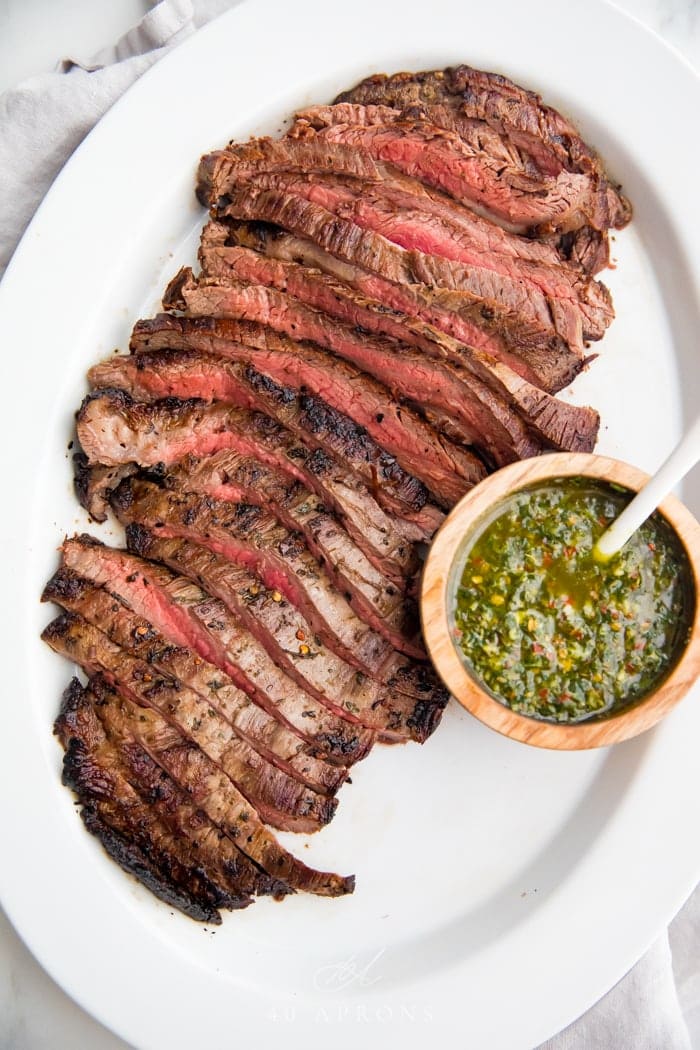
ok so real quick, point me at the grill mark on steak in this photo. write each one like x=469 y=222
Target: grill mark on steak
x=114 y=429
x=279 y=799
x=136 y=635
x=129 y=829
x=248 y=536
x=406 y=705
x=211 y=791
x=229 y=477
x=160 y=372
x=445 y=469
x=156 y=594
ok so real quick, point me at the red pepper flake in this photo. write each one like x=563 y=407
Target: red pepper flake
x=569 y=552
x=301 y=636
x=544 y=693
x=546 y=559
x=651 y=546
x=537 y=648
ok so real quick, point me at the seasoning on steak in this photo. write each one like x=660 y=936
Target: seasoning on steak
x=404 y=701
x=215 y=373
x=157 y=595
x=474 y=395
x=279 y=799
x=130 y=829
x=248 y=536
x=239 y=479
x=107 y=611
x=211 y=791
x=114 y=429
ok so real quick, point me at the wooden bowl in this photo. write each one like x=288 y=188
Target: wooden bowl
x=437 y=588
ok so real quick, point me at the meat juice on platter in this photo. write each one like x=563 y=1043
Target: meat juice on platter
x=389 y=299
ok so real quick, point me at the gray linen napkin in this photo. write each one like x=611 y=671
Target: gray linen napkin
x=41 y=123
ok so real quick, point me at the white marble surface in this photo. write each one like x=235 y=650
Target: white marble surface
x=34 y=1013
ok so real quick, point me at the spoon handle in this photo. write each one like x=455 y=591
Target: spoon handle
x=682 y=459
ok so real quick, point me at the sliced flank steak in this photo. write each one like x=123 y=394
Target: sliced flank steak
x=114 y=429
x=251 y=537
x=129 y=828
x=185 y=373
x=159 y=596
x=550 y=368
x=482 y=171
x=464 y=95
x=312 y=420
x=481 y=301
x=509 y=310
x=279 y=799
x=260 y=255
x=470 y=397
x=243 y=479
x=230 y=870
x=139 y=638
x=224 y=349
x=404 y=702
x=310 y=158
x=210 y=790
x=564 y=289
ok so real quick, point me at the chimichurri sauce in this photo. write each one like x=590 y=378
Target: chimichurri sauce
x=555 y=634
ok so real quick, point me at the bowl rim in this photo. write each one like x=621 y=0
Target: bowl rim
x=435 y=617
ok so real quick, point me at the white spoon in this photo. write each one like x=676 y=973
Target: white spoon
x=682 y=459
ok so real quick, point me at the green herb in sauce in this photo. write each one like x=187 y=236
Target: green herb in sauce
x=553 y=633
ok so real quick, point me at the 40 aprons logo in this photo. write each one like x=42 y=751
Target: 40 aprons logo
x=348 y=978
x=348 y=972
